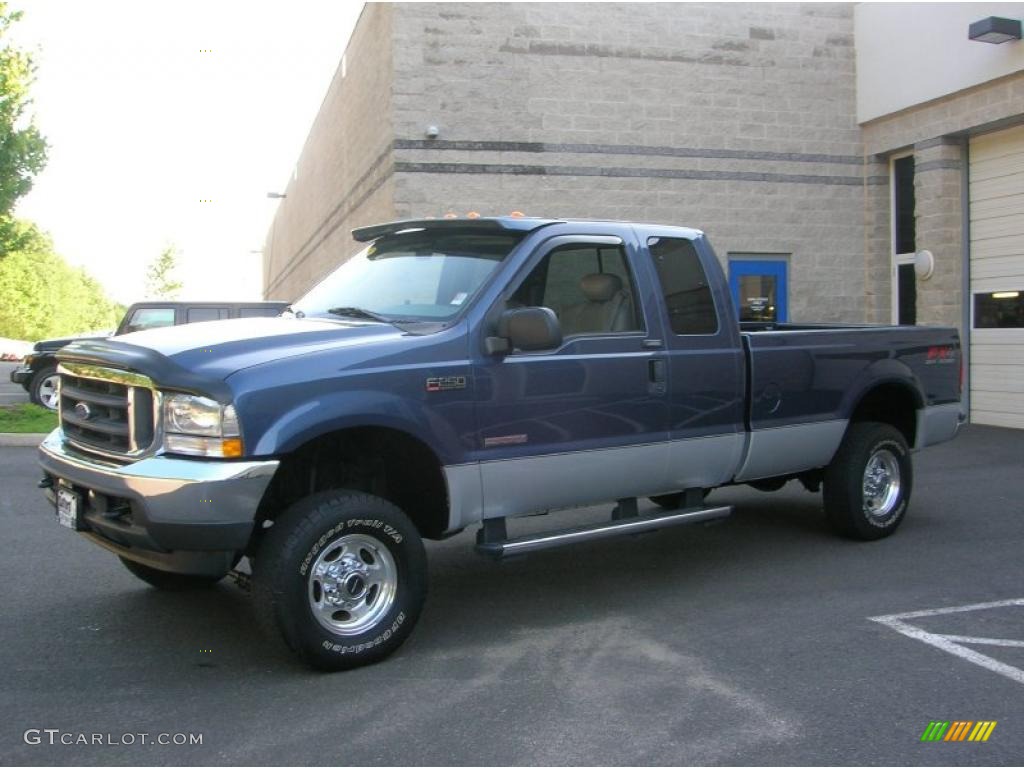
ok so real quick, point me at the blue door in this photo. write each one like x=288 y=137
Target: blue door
x=588 y=421
x=760 y=289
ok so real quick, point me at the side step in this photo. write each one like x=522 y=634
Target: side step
x=504 y=547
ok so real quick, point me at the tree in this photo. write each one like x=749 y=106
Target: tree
x=42 y=296
x=22 y=146
x=160 y=282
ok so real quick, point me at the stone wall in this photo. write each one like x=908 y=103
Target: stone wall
x=343 y=177
x=734 y=118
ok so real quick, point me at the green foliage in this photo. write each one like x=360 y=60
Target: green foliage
x=22 y=146
x=27 y=418
x=160 y=282
x=42 y=296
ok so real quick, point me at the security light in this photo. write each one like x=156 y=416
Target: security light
x=995 y=29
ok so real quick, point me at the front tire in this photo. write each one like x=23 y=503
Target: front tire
x=341 y=576
x=43 y=388
x=869 y=482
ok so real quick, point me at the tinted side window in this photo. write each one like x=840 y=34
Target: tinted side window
x=691 y=309
x=152 y=317
x=203 y=314
x=589 y=287
x=258 y=311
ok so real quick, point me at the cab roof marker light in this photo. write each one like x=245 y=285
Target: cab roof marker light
x=517 y=215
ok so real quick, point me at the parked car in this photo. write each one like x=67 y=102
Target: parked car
x=463 y=373
x=38 y=371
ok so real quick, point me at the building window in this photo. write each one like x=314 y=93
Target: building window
x=904 y=241
x=999 y=309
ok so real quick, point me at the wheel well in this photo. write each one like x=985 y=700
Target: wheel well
x=384 y=462
x=891 y=404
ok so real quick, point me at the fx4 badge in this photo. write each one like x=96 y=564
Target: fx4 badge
x=444 y=383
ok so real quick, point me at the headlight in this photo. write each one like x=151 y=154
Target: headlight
x=199 y=426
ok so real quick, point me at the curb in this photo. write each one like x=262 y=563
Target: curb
x=21 y=439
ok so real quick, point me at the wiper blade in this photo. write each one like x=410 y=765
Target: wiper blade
x=361 y=314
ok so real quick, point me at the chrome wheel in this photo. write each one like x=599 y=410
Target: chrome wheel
x=881 y=483
x=352 y=584
x=48 y=393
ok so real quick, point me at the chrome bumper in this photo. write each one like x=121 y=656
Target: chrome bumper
x=161 y=505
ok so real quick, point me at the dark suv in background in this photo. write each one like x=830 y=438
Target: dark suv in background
x=38 y=372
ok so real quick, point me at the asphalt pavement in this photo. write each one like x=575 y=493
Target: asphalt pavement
x=745 y=642
x=10 y=393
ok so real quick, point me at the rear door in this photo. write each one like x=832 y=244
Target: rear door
x=705 y=360
x=586 y=422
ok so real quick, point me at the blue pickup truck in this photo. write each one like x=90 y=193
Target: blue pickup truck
x=467 y=372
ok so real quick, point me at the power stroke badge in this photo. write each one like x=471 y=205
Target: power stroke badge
x=445 y=383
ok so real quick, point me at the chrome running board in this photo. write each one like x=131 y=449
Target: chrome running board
x=620 y=527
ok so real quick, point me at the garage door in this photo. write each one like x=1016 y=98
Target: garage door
x=997 y=278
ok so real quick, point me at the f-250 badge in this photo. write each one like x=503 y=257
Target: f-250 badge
x=444 y=383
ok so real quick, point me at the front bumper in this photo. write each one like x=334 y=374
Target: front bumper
x=182 y=515
x=21 y=375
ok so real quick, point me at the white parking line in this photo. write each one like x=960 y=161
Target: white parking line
x=954 y=644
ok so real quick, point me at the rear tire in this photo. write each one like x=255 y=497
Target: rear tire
x=341 y=577
x=167 y=581
x=869 y=482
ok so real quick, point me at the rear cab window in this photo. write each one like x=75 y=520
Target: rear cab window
x=259 y=311
x=684 y=285
x=205 y=314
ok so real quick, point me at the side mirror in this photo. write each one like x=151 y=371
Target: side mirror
x=530 y=329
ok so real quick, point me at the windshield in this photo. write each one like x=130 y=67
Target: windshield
x=417 y=276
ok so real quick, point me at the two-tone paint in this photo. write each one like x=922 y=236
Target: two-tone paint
x=601 y=417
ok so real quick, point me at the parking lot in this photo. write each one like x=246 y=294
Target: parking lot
x=757 y=640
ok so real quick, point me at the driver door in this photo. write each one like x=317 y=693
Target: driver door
x=588 y=421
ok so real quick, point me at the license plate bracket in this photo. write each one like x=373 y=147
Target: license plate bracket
x=68 y=505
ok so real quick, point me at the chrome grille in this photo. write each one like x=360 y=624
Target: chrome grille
x=107 y=411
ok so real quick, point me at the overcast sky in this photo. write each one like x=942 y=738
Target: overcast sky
x=143 y=124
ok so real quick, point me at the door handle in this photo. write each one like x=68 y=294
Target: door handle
x=656 y=373
x=652 y=344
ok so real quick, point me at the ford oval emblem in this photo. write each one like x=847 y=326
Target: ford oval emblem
x=83 y=411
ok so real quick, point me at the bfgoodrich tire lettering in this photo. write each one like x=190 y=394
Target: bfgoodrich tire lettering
x=869 y=482
x=341 y=578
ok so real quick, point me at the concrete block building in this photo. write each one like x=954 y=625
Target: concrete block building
x=850 y=162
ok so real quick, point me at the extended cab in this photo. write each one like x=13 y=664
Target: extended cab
x=463 y=373
x=38 y=371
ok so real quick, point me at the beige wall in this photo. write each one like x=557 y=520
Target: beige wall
x=910 y=53
x=738 y=119
x=343 y=176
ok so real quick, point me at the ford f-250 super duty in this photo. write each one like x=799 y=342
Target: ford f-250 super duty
x=462 y=373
